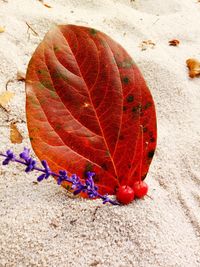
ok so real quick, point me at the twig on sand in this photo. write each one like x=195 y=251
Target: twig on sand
x=156 y=21
x=7 y=83
x=46 y=5
x=4 y=109
x=149 y=196
x=31 y=28
x=94 y=213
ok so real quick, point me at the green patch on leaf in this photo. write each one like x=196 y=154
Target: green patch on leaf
x=144 y=129
x=137 y=109
x=58 y=127
x=151 y=153
x=56 y=48
x=107 y=153
x=104 y=44
x=68 y=187
x=93 y=31
x=40 y=86
x=43 y=72
x=42 y=101
x=34 y=102
x=47 y=84
x=130 y=98
x=127 y=63
x=59 y=75
x=89 y=167
x=53 y=95
x=147 y=105
x=125 y=80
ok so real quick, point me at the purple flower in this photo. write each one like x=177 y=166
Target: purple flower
x=62 y=177
x=88 y=186
x=90 y=174
x=9 y=157
x=41 y=177
x=77 y=185
x=105 y=199
x=47 y=171
x=30 y=163
x=79 y=188
x=75 y=181
x=25 y=154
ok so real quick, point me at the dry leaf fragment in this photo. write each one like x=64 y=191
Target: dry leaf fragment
x=2 y=29
x=174 y=42
x=21 y=76
x=147 y=44
x=194 y=67
x=54 y=223
x=46 y=5
x=5 y=98
x=31 y=28
x=15 y=135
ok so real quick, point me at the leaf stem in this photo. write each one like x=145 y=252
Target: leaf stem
x=142 y=151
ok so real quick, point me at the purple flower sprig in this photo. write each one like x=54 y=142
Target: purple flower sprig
x=87 y=186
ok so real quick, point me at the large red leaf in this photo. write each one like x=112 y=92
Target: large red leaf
x=86 y=103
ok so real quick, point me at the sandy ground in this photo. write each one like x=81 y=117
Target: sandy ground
x=40 y=225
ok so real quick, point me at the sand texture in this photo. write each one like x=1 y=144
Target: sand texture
x=40 y=225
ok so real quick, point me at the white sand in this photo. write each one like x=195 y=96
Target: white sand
x=39 y=224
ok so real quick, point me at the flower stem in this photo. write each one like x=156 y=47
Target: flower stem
x=78 y=186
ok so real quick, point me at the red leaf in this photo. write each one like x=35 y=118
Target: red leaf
x=86 y=102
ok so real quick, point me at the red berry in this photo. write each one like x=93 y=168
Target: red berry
x=125 y=194
x=140 y=189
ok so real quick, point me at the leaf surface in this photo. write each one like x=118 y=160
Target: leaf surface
x=86 y=102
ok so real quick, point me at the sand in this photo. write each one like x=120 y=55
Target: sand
x=40 y=225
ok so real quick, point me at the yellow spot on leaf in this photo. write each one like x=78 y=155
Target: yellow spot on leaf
x=86 y=105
